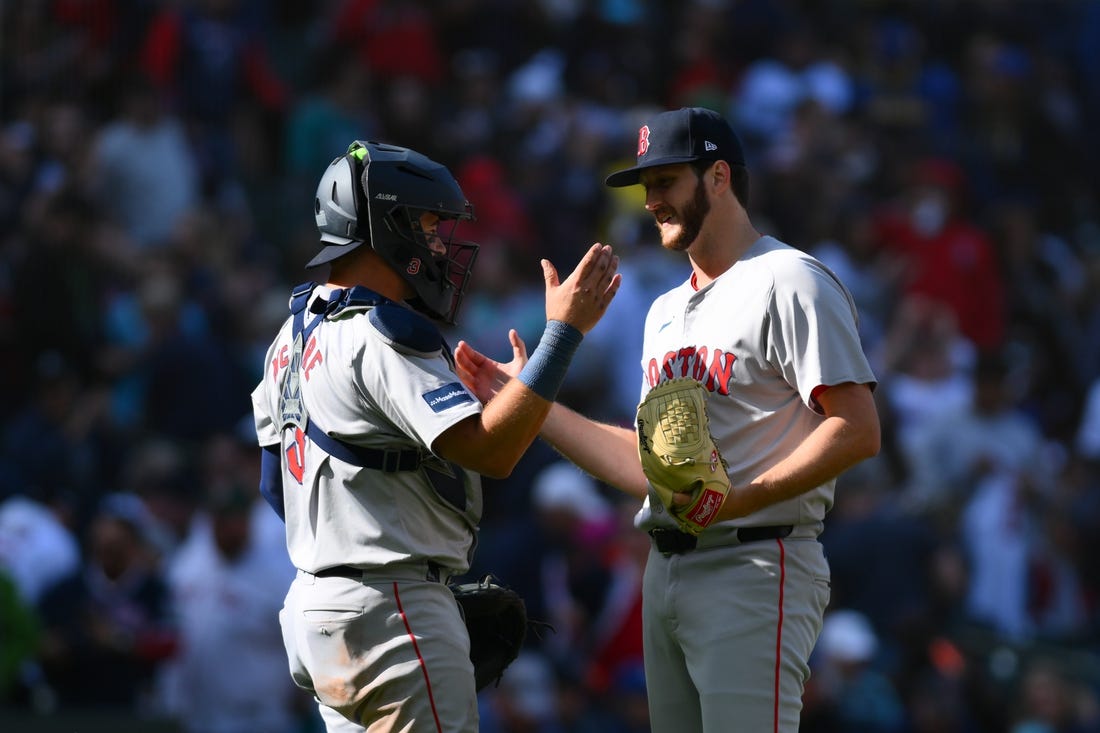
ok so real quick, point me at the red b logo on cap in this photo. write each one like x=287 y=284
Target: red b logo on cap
x=643 y=140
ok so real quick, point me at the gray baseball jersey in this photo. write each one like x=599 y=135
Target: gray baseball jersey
x=761 y=338
x=369 y=625
x=363 y=385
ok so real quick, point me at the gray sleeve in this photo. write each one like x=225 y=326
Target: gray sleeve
x=420 y=394
x=267 y=432
x=811 y=331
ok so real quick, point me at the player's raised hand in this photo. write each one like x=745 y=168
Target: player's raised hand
x=485 y=376
x=582 y=298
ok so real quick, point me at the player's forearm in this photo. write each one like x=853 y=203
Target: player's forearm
x=512 y=418
x=835 y=446
x=608 y=452
x=494 y=442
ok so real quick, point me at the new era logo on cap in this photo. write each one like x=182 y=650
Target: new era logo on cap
x=681 y=136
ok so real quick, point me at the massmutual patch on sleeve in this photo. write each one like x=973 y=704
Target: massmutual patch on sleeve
x=447 y=396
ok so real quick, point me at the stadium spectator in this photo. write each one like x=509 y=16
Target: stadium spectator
x=108 y=628
x=142 y=172
x=227 y=584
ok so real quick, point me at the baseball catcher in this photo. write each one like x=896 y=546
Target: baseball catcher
x=496 y=618
x=679 y=455
x=373 y=449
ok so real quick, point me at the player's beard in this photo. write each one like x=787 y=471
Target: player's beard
x=691 y=220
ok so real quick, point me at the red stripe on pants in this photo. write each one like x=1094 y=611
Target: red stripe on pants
x=779 y=635
x=416 y=648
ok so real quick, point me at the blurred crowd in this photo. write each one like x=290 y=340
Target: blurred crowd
x=158 y=160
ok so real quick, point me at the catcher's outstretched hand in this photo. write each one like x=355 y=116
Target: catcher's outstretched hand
x=483 y=375
x=678 y=454
x=582 y=298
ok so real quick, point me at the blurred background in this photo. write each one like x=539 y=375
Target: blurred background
x=158 y=160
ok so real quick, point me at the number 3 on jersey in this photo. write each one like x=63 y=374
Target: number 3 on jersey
x=296 y=456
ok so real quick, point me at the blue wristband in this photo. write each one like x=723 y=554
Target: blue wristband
x=545 y=371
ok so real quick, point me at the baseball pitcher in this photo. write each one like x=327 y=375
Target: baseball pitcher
x=755 y=394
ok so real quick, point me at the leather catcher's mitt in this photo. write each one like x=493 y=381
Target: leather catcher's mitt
x=678 y=452
x=496 y=618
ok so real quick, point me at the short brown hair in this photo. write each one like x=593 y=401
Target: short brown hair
x=739 y=179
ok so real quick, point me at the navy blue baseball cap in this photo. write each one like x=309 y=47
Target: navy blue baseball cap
x=681 y=136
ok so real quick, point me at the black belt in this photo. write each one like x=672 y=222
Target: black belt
x=675 y=542
x=351 y=572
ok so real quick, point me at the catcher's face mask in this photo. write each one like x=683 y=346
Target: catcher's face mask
x=421 y=243
x=413 y=206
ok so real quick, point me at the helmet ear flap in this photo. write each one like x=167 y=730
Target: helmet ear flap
x=337 y=211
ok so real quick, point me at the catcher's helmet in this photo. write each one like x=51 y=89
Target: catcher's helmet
x=377 y=193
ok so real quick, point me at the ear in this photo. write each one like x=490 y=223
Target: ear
x=718 y=177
